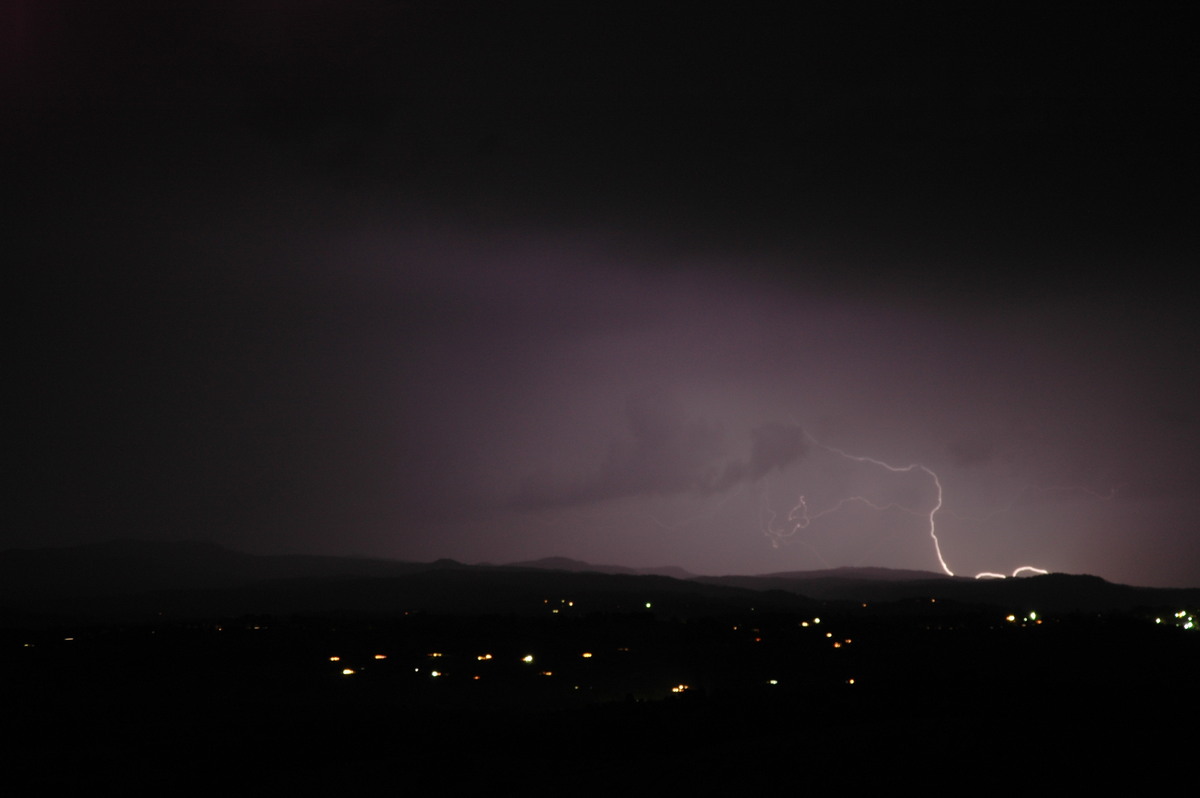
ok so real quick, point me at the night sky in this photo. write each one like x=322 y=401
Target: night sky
x=617 y=282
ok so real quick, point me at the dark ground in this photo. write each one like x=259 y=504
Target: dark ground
x=941 y=697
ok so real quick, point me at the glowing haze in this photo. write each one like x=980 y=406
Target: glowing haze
x=427 y=280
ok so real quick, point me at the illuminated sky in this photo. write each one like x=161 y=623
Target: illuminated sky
x=444 y=279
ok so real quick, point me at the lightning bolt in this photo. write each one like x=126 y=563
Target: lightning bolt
x=937 y=546
x=800 y=517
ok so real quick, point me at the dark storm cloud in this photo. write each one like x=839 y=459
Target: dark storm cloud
x=662 y=452
x=425 y=279
x=667 y=452
x=773 y=447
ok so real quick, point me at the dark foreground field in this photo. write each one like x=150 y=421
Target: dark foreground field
x=902 y=693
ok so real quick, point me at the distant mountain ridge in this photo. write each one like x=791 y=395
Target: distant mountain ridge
x=568 y=564
x=131 y=565
x=119 y=577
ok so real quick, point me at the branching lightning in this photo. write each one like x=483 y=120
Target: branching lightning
x=800 y=516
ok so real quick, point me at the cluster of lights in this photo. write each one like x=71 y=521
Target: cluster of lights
x=529 y=659
x=1182 y=619
x=1032 y=618
x=352 y=671
x=563 y=603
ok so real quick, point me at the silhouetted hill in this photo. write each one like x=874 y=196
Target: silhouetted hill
x=548 y=676
x=125 y=566
x=875 y=574
x=1049 y=592
x=135 y=578
x=567 y=564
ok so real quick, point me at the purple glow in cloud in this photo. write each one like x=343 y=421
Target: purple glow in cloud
x=420 y=281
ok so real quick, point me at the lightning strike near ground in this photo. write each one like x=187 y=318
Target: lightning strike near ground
x=800 y=516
